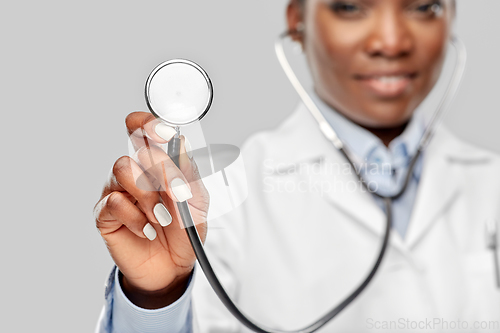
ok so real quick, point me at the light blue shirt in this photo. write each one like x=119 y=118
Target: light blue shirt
x=384 y=166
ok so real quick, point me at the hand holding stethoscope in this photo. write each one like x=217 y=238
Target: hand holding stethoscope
x=137 y=213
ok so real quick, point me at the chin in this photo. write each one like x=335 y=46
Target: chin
x=386 y=115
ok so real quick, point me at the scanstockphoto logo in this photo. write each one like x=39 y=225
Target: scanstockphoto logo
x=432 y=325
x=320 y=176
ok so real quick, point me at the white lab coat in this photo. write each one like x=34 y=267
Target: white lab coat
x=288 y=255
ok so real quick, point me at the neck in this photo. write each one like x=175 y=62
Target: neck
x=386 y=135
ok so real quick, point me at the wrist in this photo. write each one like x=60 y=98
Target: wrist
x=157 y=299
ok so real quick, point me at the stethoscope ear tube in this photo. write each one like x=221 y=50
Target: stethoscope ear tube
x=451 y=91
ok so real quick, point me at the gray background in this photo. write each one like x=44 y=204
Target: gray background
x=71 y=71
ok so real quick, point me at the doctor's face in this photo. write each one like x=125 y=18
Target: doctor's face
x=373 y=60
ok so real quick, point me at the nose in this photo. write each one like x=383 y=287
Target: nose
x=390 y=36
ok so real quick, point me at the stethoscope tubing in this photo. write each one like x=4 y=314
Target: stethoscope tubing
x=197 y=245
x=327 y=130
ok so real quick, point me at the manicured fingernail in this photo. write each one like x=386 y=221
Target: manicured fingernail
x=180 y=189
x=162 y=215
x=149 y=232
x=189 y=150
x=164 y=131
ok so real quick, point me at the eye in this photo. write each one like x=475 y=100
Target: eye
x=346 y=9
x=429 y=9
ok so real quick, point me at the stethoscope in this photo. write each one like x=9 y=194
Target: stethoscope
x=180 y=92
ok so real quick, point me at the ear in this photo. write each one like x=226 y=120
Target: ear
x=294 y=16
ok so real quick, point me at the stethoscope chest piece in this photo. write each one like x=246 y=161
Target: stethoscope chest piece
x=179 y=92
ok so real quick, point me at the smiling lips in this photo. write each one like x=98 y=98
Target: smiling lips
x=387 y=85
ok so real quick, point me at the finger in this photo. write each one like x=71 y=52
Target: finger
x=136 y=127
x=170 y=179
x=187 y=164
x=143 y=125
x=200 y=196
x=129 y=176
x=116 y=210
x=122 y=165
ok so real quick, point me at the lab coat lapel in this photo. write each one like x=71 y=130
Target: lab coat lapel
x=439 y=186
x=355 y=203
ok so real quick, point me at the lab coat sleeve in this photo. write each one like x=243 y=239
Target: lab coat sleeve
x=121 y=315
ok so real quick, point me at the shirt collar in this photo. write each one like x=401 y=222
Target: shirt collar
x=365 y=146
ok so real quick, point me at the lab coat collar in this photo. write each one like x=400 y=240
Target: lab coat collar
x=439 y=186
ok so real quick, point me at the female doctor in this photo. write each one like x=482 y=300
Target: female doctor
x=308 y=232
